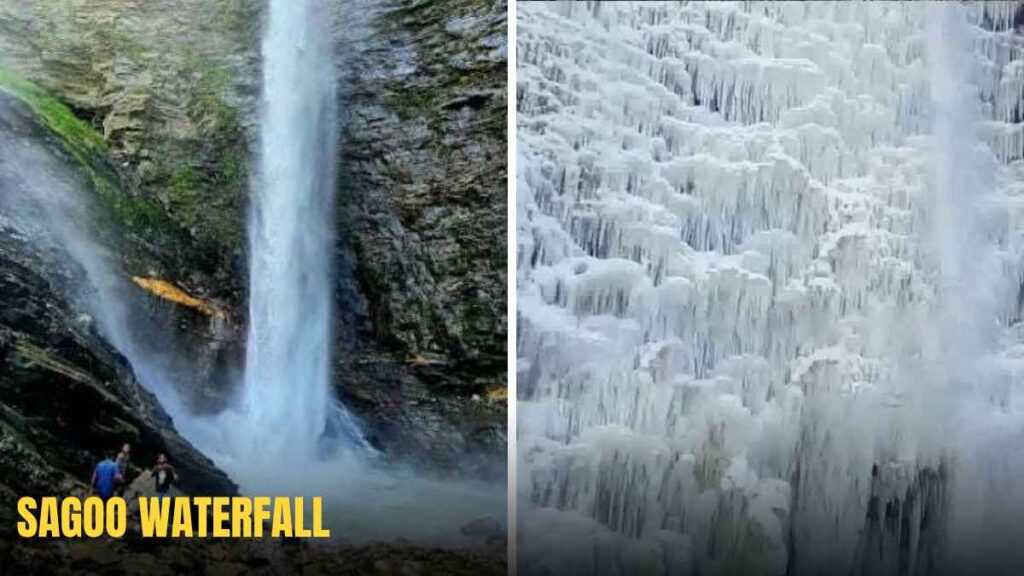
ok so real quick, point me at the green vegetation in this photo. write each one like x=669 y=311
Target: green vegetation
x=185 y=180
x=210 y=111
x=89 y=150
x=204 y=190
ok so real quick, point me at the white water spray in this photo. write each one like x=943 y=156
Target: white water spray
x=50 y=203
x=973 y=361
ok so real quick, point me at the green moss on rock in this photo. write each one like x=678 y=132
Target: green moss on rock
x=171 y=88
x=89 y=150
x=79 y=136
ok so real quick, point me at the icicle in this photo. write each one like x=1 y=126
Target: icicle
x=727 y=271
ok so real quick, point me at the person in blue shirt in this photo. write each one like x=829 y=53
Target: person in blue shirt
x=106 y=477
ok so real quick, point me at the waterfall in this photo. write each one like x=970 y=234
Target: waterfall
x=769 y=287
x=287 y=379
x=288 y=413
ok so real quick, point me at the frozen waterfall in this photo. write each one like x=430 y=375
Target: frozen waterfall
x=770 y=269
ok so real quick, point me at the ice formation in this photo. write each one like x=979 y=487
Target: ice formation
x=769 y=288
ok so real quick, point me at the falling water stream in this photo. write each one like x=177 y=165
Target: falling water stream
x=287 y=374
x=770 y=259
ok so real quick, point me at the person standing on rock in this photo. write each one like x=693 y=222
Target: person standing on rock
x=123 y=462
x=105 y=477
x=164 y=475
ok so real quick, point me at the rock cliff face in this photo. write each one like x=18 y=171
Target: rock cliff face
x=423 y=183
x=422 y=206
x=65 y=393
x=172 y=88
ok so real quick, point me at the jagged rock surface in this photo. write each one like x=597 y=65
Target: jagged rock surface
x=422 y=209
